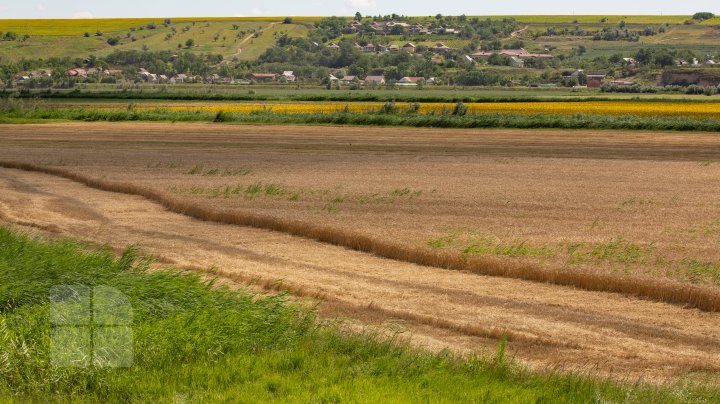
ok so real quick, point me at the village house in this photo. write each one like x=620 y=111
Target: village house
x=378 y=28
x=77 y=72
x=441 y=48
x=263 y=76
x=333 y=46
x=377 y=80
x=630 y=61
x=595 y=79
x=349 y=79
x=513 y=53
x=289 y=76
x=178 y=79
x=394 y=48
x=417 y=29
x=411 y=80
x=409 y=47
x=369 y=48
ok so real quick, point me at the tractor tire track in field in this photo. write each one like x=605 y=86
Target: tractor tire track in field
x=547 y=325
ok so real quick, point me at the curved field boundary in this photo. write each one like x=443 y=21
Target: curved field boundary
x=661 y=290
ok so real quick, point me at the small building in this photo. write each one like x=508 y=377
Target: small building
x=630 y=61
x=441 y=48
x=378 y=80
x=349 y=79
x=595 y=79
x=411 y=80
x=516 y=53
x=178 y=79
x=263 y=76
x=333 y=46
x=393 y=48
x=409 y=47
x=369 y=48
x=289 y=76
x=77 y=72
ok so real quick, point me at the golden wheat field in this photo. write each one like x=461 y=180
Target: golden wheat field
x=707 y=110
x=619 y=203
x=602 y=247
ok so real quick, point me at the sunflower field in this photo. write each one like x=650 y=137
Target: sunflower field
x=703 y=110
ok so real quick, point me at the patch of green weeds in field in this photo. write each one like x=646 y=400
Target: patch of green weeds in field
x=617 y=251
x=443 y=242
x=405 y=193
x=489 y=246
x=214 y=172
x=699 y=271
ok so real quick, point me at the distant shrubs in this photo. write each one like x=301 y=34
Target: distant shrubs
x=702 y=16
x=112 y=41
x=460 y=109
x=9 y=36
x=692 y=89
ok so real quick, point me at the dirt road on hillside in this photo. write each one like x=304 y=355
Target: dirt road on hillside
x=547 y=325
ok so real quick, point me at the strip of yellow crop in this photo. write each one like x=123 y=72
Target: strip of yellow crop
x=645 y=109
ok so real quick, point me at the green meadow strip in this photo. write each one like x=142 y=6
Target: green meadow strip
x=195 y=341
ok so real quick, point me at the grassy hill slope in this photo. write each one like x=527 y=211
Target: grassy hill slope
x=228 y=37
x=233 y=38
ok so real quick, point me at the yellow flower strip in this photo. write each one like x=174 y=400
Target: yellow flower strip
x=668 y=109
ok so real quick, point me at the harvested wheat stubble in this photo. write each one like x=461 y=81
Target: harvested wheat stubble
x=644 y=287
x=549 y=325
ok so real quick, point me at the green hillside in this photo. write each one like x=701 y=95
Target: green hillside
x=242 y=38
x=247 y=38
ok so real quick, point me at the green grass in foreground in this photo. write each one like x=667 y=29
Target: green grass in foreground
x=580 y=121
x=194 y=341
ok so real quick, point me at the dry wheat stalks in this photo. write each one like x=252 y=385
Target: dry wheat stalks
x=661 y=290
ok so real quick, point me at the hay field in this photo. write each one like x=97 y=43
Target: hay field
x=600 y=211
x=640 y=203
x=597 y=203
